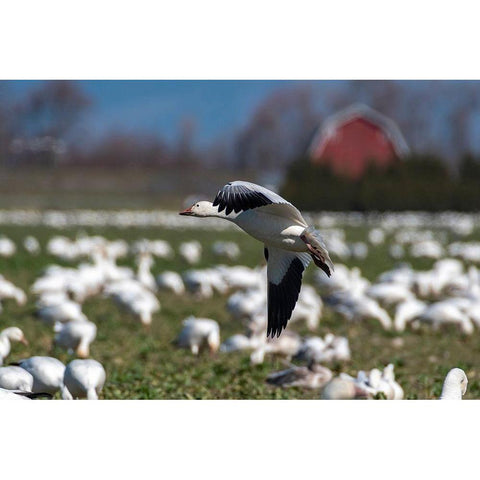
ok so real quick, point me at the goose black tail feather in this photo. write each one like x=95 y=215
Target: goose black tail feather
x=32 y=395
x=319 y=263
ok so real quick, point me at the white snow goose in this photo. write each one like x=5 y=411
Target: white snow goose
x=21 y=395
x=47 y=373
x=455 y=385
x=289 y=242
x=15 y=378
x=314 y=376
x=83 y=379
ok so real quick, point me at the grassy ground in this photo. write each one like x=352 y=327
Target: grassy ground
x=143 y=365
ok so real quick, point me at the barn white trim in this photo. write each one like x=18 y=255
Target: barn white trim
x=329 y=127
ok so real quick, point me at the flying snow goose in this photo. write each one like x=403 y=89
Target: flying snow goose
x=11 y=334
x=289 y=242
x=47 y=373
x=83 y=379
x=455 y=385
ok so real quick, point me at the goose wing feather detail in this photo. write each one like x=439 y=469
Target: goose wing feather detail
x=239 y=196
x=284 y=272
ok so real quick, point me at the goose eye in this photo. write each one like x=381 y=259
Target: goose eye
x=198 y=204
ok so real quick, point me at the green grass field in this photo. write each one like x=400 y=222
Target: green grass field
x=146 y=365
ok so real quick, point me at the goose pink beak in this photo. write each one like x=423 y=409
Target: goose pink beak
x=188 y=211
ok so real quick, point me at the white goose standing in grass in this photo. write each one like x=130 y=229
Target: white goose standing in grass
x=144 y=275
x=76 y=336
x=10 y=334
x=15 y=378
x=171 y=281
x=83 y=379
x=289 y=242
x=9 y=290
x=198 y=333
x=455 y=385
x=47 y=373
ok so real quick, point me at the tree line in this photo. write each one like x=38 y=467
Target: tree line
x=417 y=182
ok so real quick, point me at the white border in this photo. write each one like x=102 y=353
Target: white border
x=238 y=439
x=188 y=39
x=248 y=40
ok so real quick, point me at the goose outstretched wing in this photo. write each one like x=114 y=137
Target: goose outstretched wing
x=284 y=272
x=240 y=196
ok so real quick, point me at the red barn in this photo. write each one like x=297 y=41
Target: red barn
x=354 y=137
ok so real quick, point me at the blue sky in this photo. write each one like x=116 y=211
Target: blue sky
x=159 y=107
x=219 y=108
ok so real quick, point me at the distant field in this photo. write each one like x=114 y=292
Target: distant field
x=145 y=365
x=125 y=186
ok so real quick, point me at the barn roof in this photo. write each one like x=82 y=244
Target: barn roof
x=387 y=125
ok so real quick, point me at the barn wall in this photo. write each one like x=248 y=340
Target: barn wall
x=353 y=146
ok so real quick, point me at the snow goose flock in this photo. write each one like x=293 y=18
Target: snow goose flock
x=308 y=326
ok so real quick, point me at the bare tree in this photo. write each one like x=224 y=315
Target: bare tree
x=435 y=116
x=53 y=109
x=279 y=129
x=184 y=151
x=5 y=130
x=123 y=149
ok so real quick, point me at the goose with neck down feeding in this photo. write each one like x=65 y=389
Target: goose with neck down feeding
x=83 y=379
x=289 y=242
x=47 y=373
x=15 y=378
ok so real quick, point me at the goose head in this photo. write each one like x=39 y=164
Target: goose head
x=200 y=209
x=14 y=334
x=455 y=385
